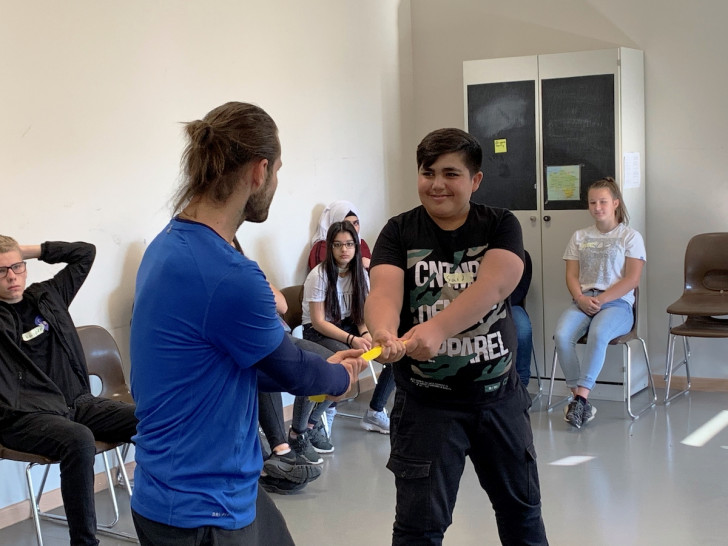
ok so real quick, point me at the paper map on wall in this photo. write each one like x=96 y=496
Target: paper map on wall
x=563 y=182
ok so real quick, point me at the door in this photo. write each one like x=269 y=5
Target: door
x=547 y=127
x=579 y=138
x=501 y=99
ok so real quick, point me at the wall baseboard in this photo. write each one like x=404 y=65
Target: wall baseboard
x=704 y=384
x=15 y=513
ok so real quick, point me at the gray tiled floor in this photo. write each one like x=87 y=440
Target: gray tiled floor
x=641 y=486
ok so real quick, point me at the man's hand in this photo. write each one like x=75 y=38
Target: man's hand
x=354 y=365
x=340 y=356
x=424 y=341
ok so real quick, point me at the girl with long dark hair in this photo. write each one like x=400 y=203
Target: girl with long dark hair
x=333 y=316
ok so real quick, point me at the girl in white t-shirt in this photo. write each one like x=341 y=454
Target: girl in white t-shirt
x=603 y=267
x=332 y=316
x=334 y=293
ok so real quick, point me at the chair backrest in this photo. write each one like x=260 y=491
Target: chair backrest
x=294 y=299
x=104 y=361
x=706 y=264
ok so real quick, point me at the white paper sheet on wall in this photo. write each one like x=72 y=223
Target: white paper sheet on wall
x=632 y=175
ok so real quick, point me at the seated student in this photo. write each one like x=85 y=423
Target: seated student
x=307 y=417
x=46 y=406
x=283 y=470
x=603 y=267
x=375 y=418
x=338 y=211
x=333 y=316
x=524 y=331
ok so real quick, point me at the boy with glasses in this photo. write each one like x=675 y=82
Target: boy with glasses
x=46 y=406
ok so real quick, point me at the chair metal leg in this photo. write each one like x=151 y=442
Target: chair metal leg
x=101 y=528
x=671 y=368
x=539 y=381
x=374 y=378
x=33 y=504
x=121 y=457
x=325 y=424
x=538 y=373
x=62 y=518
x=551 y=385
x=628 y=382
x=107 y=529
x=119 y=474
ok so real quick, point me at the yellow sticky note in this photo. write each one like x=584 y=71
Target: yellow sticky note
x=500 y=146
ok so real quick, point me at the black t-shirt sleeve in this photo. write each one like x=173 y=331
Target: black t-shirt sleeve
x=507 y=234
x=388 y=249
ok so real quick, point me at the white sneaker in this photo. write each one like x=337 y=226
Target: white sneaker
x=376 y=421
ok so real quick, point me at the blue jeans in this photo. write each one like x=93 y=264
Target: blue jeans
x=525 y=342
x=429 y=445
x=614 y=319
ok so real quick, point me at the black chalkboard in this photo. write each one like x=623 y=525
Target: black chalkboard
x=578 y=129
x=505 y=111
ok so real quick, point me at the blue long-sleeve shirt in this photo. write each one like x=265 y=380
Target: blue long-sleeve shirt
x=205 y=336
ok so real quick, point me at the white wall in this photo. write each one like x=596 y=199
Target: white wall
x=685 y=81
x=93 y=93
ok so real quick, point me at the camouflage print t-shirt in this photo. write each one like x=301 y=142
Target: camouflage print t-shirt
x=438 y=266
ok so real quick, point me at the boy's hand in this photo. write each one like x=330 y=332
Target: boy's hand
x=392 y=347
x=424 y=341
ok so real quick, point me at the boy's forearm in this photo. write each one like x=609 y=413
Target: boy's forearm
x=30 y=252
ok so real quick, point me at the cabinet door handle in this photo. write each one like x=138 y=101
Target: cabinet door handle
x=547 y=218
x=533 y=218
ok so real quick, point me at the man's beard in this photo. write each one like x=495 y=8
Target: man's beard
x=257 y=207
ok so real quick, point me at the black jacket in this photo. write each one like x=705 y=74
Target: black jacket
x=23 y=386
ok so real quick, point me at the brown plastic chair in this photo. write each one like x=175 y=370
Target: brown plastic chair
x=704 y=299
x=294 y=299
x=104 y=361
x=624 y=341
